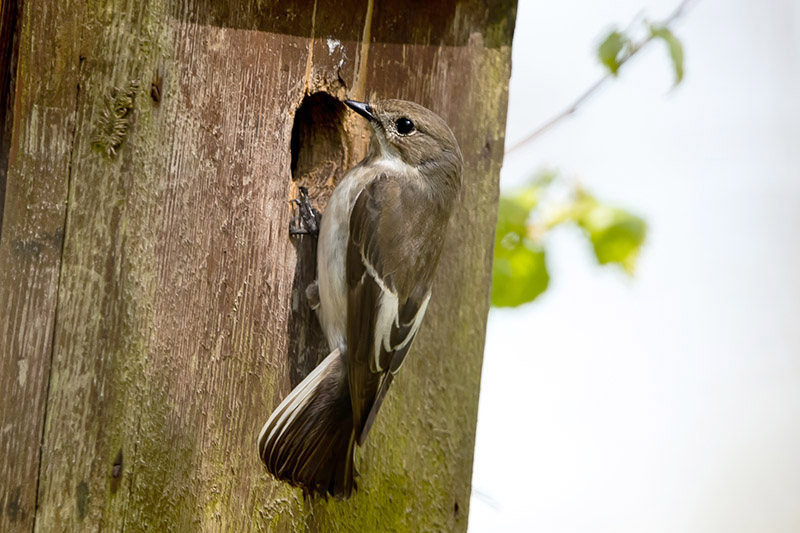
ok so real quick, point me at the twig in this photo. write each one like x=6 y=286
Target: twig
x=634 y=49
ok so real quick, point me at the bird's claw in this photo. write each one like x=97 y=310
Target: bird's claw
x=307 y=220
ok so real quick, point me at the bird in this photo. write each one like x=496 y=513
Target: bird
x=380 y=240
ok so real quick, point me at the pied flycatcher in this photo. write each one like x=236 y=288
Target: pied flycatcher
x=379 y=244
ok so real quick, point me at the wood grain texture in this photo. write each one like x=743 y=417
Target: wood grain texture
x=31 y=243
x=181 y=318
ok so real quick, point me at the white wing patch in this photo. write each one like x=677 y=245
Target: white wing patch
x=414 y=327
x=389 y=317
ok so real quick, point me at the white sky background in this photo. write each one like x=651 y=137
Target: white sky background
x=669 y=402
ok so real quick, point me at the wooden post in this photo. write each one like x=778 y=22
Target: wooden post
x=151 y=301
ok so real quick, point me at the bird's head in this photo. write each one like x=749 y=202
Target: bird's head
x=413 y=134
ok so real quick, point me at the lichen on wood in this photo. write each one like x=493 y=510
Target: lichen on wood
x=114 y=121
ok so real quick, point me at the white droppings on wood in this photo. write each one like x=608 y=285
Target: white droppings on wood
x=333 y=44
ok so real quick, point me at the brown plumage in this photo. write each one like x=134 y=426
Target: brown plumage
x=379 y=245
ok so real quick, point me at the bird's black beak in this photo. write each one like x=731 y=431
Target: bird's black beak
x=362 y=108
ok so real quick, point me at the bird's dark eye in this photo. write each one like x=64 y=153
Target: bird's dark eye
x=404 y=126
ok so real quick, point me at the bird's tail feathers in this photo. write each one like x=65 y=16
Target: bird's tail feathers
x=373 y=411
x=309 y=438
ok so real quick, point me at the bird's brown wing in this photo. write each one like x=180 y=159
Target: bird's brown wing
x=396 y=237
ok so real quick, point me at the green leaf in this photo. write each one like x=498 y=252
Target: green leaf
x=675 y=49
x=610 y=51
x=519 y=273
x=512 y=218
x=616 y=235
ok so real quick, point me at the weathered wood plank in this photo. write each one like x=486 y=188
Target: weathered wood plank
x=181 y=318
x=31 y=240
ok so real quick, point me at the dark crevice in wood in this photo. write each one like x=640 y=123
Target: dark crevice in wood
x=318 y=150
x=116 y=471
x=9 y=48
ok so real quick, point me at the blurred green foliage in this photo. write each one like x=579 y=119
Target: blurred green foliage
x=519 y=273
x=618 y=47
x=611 y=51
x=675 y=48
x=525 y=217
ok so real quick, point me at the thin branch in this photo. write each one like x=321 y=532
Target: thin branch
x=572 y=108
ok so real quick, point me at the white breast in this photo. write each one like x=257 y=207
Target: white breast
x=332 y=253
